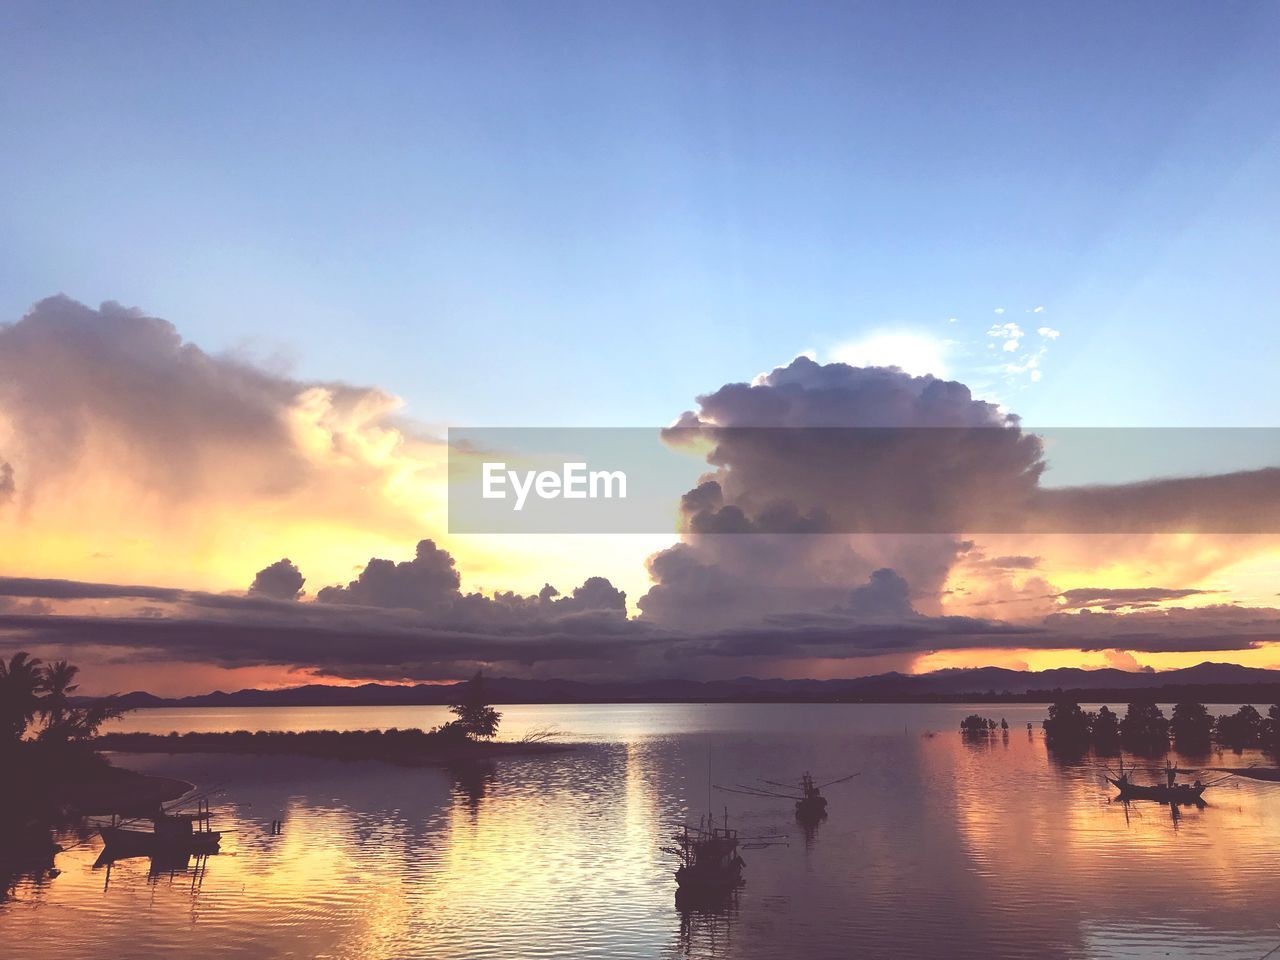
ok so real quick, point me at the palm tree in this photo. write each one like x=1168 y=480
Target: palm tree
x=21 y=681
x=59 y=684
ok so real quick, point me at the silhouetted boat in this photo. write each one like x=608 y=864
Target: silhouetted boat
x=709 y=861
x=171 y=833
x=1169 y=792
x=811 y=805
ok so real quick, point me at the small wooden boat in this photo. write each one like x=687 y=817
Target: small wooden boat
x=171 y=833
x=1159 y=792
x=1169 y=792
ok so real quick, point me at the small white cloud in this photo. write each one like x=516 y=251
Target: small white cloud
x=1038 y=310
x=1010 y=346
x=1036 y=375
x=999 y=310
x=951 y=319
x=1049 y=333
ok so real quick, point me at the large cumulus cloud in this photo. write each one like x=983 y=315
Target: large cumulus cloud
x=787 y=470
x=836 y=472
x=115 y=433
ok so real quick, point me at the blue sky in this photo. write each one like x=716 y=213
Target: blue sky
x=561 y=214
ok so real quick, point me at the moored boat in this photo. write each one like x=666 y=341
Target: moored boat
x=170 y=833
x=709 y=862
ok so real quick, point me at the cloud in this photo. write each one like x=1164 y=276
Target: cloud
x=1015 y=562
x=1121 y=597
x=884 y=595
x=1048 y=333
x=856 y=551
x=422 y=583
x=281 y=580
x=105 y=407
x=786 y=485
x=1124 y=660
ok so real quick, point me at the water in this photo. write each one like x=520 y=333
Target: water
x=940 y=848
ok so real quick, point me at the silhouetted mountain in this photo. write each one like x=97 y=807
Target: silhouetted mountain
x=1208 y=682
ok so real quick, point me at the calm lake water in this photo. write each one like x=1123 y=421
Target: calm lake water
x=941 y=848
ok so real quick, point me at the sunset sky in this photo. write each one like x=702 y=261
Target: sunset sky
x=255 y=264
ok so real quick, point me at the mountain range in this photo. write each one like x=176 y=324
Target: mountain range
x=1206 y=682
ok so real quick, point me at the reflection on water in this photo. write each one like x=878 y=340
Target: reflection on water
x=944 y=846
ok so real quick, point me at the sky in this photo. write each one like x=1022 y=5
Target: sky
x=561 y=214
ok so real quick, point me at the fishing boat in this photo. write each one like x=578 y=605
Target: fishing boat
x=170 y=833
x=811 y=805
x=1168 y=792
x=709 y=862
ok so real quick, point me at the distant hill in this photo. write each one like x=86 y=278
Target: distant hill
x=1206 y=682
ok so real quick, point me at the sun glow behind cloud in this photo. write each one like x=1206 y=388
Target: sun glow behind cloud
x=914 y=353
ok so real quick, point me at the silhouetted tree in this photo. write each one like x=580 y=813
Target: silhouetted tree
x=1272 y=729
x=975 y=724
x=58 y=683
x=1067 y=726
x=1240 y=729
x=1192 y=726
x=1144 y=728
x=1105 y=729
x=21 y=681
x=475 y=717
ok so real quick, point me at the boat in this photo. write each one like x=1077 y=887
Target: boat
x=811 y=805
x=1169 y=792
x=709 y=862
x=171 y=833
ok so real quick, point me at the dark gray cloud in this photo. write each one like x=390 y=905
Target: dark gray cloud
x=885 y=595
x=353 y=641
x=7 y=484
x=1123 y=596
x=54 y=589
x=281 y=580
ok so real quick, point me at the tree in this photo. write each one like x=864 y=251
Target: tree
x=1106 y=729
x=1067 y=726
x=59 y=683
x=1240 y=729
x=1192 y=725
x=1272 y=729
x=475 y=718
x=21 y=682
x=975 y=725
x=1144 y=728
